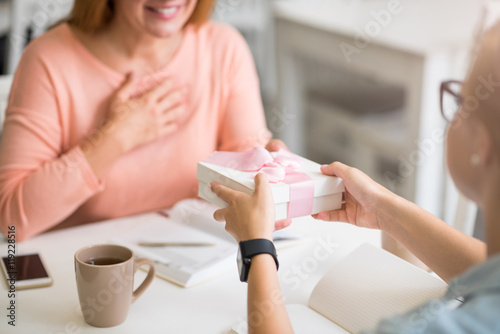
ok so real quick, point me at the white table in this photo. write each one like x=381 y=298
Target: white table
x=212 y=307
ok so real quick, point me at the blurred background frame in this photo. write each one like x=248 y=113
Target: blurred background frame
x=349 y=80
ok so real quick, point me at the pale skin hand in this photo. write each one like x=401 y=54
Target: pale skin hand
x=252 y=217
x=445 y=250
x=275 y=145
x=135 y=121
x=247 y=216
x=363 y=198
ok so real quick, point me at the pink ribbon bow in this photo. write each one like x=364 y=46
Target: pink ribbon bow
x=281 y=168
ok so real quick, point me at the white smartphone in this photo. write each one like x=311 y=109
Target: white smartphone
x=25 y=271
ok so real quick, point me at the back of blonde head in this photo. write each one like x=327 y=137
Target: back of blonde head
x=481 y=89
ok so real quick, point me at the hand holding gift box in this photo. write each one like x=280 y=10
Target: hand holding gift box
x=298 y=186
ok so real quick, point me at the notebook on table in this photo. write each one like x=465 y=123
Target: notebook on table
x=360 y=290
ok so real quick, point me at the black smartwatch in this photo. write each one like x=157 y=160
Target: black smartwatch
x=250 y=248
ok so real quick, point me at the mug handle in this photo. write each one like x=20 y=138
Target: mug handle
x=147 y=281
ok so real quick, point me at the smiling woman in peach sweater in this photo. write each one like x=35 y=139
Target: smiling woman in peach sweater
x=110 y=111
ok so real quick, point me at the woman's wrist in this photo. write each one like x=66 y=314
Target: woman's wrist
x=389 y=206
x=102 y=150
x=257 y=235
x=257 y=231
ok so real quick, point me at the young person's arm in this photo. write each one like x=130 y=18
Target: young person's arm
x=445 y=250
x=252 y=217
x=266 y=309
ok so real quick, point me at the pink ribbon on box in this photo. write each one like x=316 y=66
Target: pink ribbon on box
x=282 y=168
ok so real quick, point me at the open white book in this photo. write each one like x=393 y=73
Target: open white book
x=360 y=290
x=189 y=221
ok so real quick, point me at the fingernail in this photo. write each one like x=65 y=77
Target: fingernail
x=210 y=186
x=324 y=165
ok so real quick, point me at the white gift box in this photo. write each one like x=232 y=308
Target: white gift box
x=328 y=190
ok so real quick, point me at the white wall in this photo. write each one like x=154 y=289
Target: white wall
x=37 y=14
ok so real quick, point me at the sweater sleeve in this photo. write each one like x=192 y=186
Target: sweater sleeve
x=243 y=124
x=40 y=184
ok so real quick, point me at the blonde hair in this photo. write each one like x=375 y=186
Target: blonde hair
x=481 y=87
x=93 y=15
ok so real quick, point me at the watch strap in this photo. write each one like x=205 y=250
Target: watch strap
x=253 y=247
x=250 y=248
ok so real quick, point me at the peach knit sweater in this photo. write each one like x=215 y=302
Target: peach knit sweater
x=61 y=95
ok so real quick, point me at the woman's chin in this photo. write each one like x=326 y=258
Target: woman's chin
x=164 y=31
